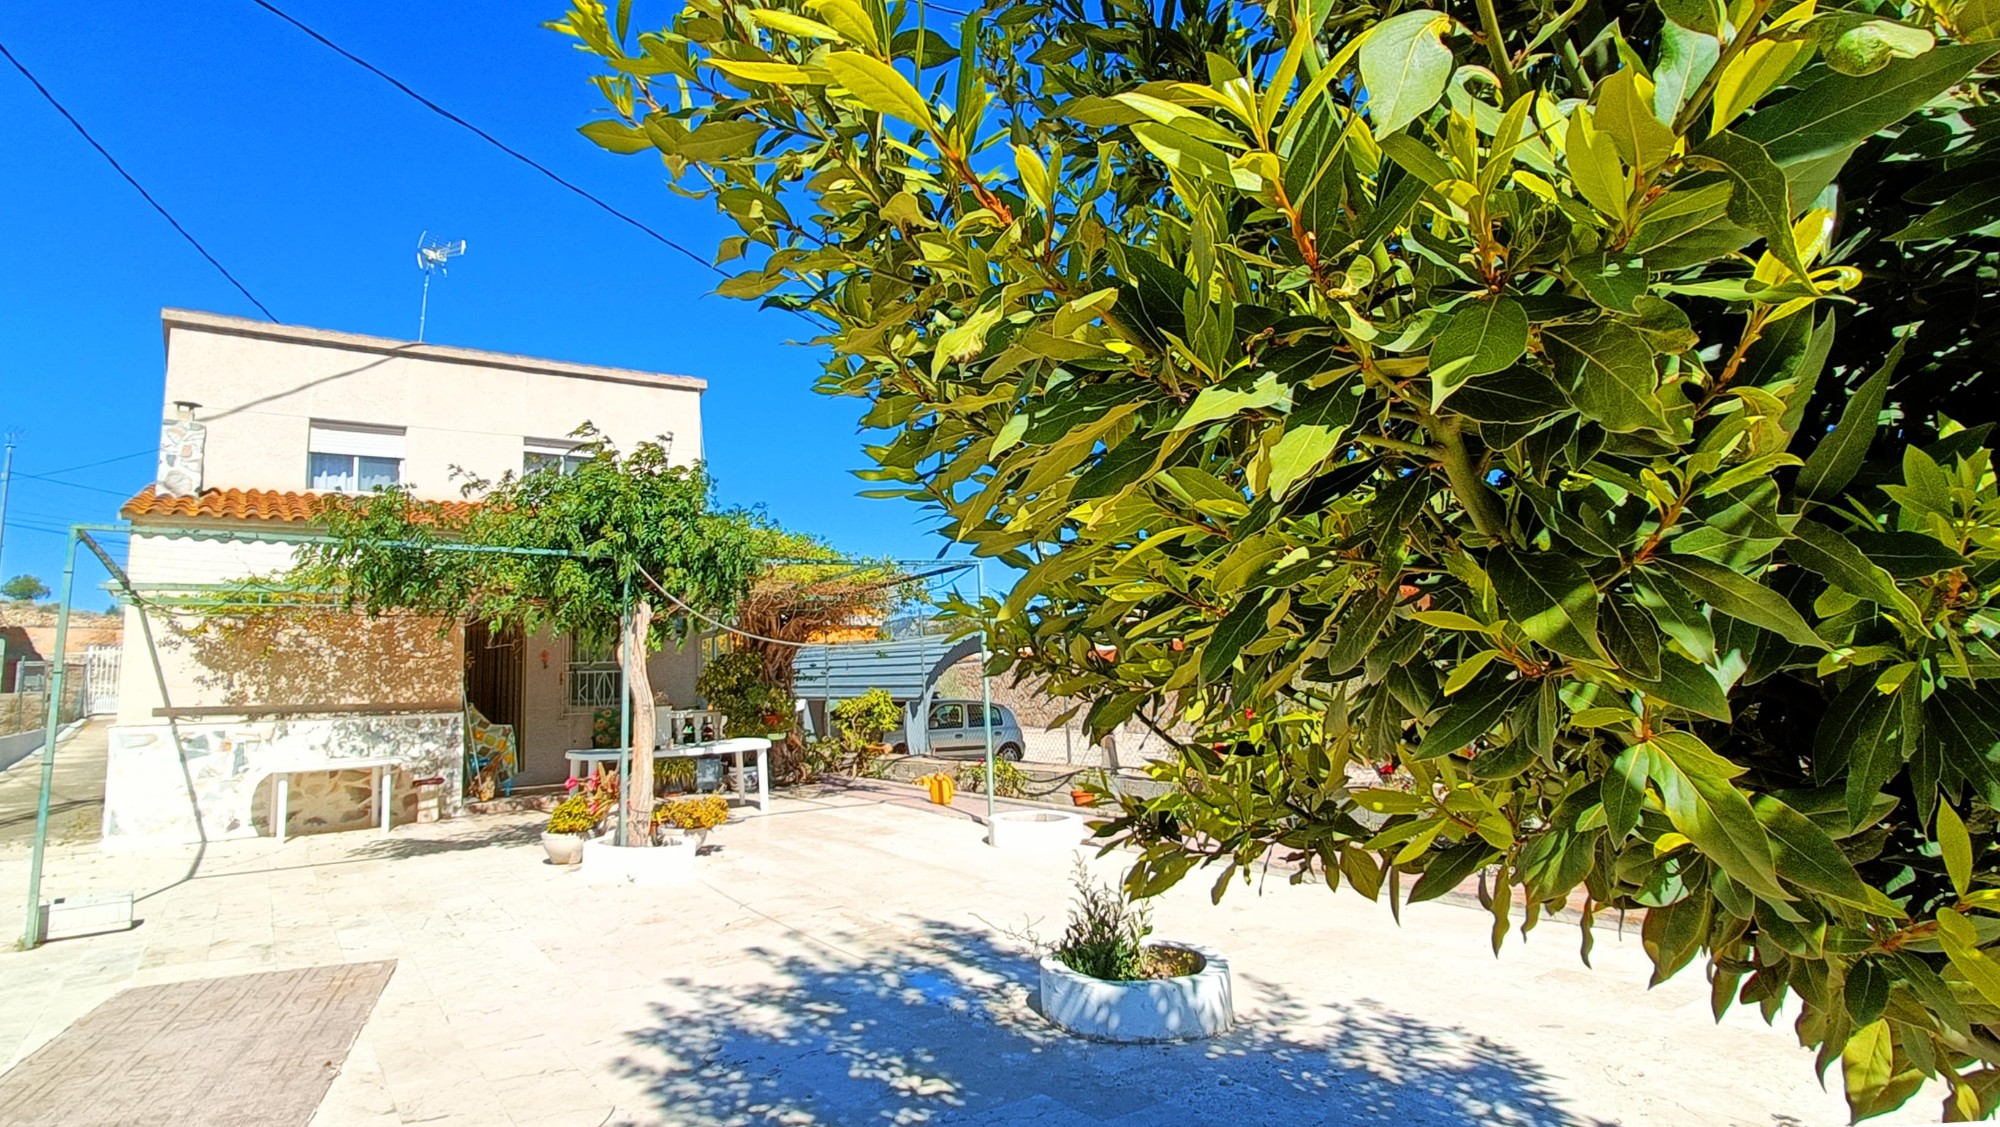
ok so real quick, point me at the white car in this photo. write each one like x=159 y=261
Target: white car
x=957 y=730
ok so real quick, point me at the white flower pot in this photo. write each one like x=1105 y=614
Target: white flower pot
x=1158 y=1009
x=648 y=865
x=1044 y=831
x=563 y=849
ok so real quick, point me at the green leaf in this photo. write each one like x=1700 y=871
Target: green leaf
x=1609 y=374
x=1243 y=622
x=1192 y=156
x=1404 y=68
x=1960 y=940
x=1624 y=790
x=1761 y=200
x=1714 y=815
x=1964 y=211
x=1521 y=394
x=1470 y=715
x=719 y=140
x=1907 y=555
x=1626 y=116
x=880 y=87
x=1684 y=684
x=1312 y=431
x=1830 y=117
x=1738 y=596
x=1866 y=46
x=1860 y=737
x=1823 y=550
x=780 y=74
x=1837 y=457
x=1955 y=846
x=1550 y=597
x=1220 y=402
x=1672 y=935
x=1482 y=337
x=1613 y=280
x=1866 y=1066
x=1686 y=56
x=1806 y=856
x=1449 y=867
x=617 y=136
x=1867 y=991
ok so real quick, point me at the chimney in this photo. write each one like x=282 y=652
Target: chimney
x=181 y=441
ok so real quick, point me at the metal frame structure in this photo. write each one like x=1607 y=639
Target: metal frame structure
x=217 y=596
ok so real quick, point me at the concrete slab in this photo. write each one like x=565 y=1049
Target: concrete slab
x=859 y=958
x=256 y=1050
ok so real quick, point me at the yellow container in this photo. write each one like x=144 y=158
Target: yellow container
x=942 y=788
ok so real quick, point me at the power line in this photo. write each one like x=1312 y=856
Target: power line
x=482 y=134
x=75 y=485
x=136 y=186
x=107 y=461
x=497 y=143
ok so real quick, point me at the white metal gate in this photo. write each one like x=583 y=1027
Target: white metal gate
x=100 y=679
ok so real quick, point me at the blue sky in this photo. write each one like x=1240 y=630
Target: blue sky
x=311 y=179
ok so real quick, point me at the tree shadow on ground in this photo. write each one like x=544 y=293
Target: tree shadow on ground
x=944 y=1033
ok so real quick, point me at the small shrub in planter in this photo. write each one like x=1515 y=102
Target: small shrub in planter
x=860 y=723
x=572 y=815
x=1104 y=981
x=695 y=815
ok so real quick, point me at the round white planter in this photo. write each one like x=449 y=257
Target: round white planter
x=654 y=865
x=1038 y=830
x=563 y=849
x=1160 y=1009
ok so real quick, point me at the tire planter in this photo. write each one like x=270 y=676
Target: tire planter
x=1158 y=1009
x=563 y=849
x=1038 y=830
x=650 y=866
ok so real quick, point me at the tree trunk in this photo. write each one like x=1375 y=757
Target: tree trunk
x=632 y=650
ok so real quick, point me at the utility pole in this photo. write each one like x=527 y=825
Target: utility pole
x=6 y=479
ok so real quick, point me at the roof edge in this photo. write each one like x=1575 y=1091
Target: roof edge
x=193 y=319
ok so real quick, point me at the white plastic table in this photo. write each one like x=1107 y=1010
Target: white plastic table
x=582 y=760
x=381 y=788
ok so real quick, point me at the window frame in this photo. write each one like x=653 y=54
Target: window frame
x=356 y=444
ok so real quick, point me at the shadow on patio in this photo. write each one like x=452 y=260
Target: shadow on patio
x=946 y=1034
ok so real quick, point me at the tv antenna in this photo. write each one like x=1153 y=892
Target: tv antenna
x=432 y=254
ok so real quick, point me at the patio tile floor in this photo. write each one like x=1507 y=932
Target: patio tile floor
x=851 y=959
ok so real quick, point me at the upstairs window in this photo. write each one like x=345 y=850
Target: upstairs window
x=550 y=454
x=351 y=458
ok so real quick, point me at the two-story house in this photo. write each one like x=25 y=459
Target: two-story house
x=262 y=421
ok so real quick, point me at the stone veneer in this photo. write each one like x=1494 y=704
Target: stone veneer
x=146 y=798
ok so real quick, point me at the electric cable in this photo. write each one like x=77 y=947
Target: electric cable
x=136 y=186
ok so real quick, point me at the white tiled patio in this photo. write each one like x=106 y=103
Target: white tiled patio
x=847 y=959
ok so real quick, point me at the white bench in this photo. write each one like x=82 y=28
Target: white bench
x=381 y=790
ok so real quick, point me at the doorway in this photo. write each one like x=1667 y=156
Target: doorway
x=493 y=676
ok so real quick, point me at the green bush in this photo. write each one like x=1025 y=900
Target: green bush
x=733 y=683
x=864 y=720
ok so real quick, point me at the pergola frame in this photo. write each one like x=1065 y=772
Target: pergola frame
x=217 y=597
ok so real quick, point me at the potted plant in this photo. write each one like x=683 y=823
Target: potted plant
x=1107 y=981
x=674 y=776
x=1088 y=794
x=692 y=817
x=570 y=823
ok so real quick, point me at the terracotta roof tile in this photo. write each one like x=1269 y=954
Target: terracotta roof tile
x=291 y=506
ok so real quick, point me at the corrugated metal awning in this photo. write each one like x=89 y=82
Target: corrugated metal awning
x=844 y=671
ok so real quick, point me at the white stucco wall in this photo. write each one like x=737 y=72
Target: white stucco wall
x=260 y=387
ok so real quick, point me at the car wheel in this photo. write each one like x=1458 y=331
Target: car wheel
x=1011 y=752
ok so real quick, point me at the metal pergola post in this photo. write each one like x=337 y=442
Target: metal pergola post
x=986 y=704
x=626 y=644
x=31 y=934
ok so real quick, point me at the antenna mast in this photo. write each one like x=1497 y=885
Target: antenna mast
x=432 y=254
